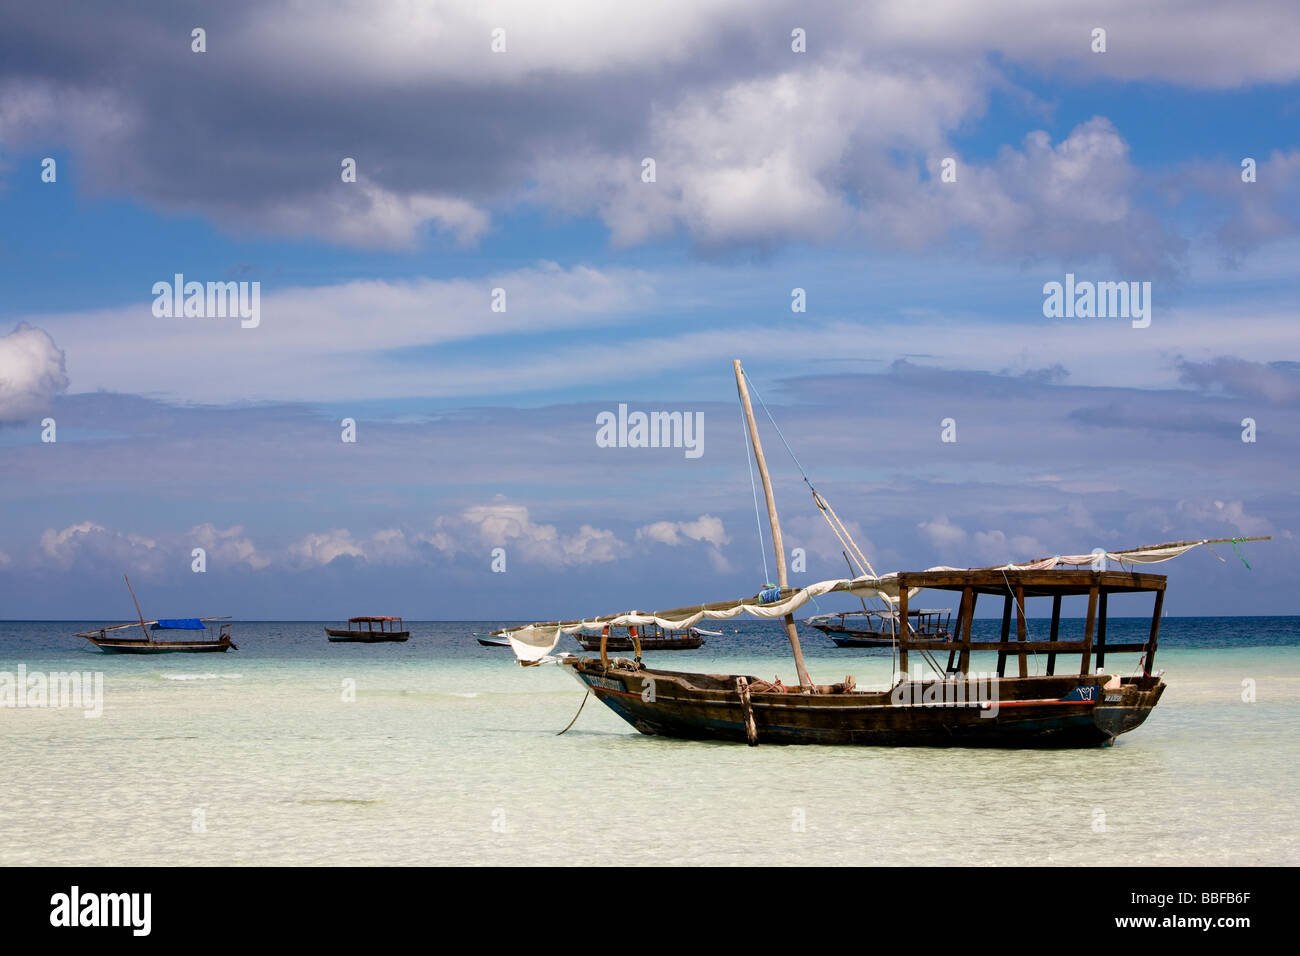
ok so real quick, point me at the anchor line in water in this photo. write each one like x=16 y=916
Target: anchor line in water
x=577 y=715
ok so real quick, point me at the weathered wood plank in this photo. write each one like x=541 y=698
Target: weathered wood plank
x=964 y=663
x=904 y=632
x=1056 y=629
x=751 y=729
x=1012 y=646
x=1088 y=625
x=1006 y=632
x=1149 y=656
x=1101 y=631
x=1021 y=635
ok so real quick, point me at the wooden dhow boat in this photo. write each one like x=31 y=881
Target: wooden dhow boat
x=389 y=629
x=648 y=637
x=880 y=628
x=1080 y=706
x=119 y=639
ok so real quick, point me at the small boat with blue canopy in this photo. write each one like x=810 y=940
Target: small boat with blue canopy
x=108 y=640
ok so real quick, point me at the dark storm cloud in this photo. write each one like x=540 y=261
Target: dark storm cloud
x=758 y=146
x=227 y=131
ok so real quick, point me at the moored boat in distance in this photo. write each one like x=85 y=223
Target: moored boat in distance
x=107 y=639
x=879 y=628
x=389 y=629
x=652 y=638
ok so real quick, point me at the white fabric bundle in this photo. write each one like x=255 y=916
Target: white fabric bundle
x=532 y=643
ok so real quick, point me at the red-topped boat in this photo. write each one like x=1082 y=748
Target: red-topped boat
x=389 y=629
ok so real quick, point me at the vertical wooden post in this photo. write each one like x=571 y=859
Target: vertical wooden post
x=1101 y=631
x=1020 y=628
x=747 y=709
x=955 y=635
x=1150 y=656
x=1089 y=623
x=964 y=664
x=902 y=626
x=1056 y=631
x=1006 y=633
x=778 y=545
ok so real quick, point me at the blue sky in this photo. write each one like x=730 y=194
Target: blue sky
x=521 y=170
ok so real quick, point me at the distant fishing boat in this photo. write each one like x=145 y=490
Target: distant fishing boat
x=879 y=628
x=649 y=638
x=949 y=707
x=148 y=645
x=389 y=629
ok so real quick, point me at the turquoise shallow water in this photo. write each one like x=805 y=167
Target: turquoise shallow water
x=449 y=754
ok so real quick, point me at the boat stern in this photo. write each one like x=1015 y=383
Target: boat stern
x=1126 y=707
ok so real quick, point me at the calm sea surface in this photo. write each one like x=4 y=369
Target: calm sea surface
x=449 y=755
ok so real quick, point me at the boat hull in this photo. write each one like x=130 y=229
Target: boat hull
x=862 y=641
x=843 y=638
x=163 y=647
x=340 y=636
x=1023 y=712
x=647 y=644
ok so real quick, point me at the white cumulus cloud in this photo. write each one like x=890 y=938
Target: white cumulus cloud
x=32 y=372
x=704 y=528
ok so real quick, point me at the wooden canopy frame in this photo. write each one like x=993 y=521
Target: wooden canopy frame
x=373 y=619
x=1015 y=587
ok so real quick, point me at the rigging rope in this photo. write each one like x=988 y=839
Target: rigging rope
x=749 y=458
x=1023 y=616
x=776 y=426
x=837 y=526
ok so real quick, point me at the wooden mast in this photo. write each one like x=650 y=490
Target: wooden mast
x=137 y=609
x=778 y=544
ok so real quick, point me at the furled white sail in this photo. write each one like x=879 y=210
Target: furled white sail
x=532 y=643
x=536 y=641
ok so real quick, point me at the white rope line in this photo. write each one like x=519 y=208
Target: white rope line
x=758 y=519
x=828 y=512
x=836 y=525
x=1023 y=615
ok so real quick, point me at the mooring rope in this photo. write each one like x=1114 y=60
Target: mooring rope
x=578 y=714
